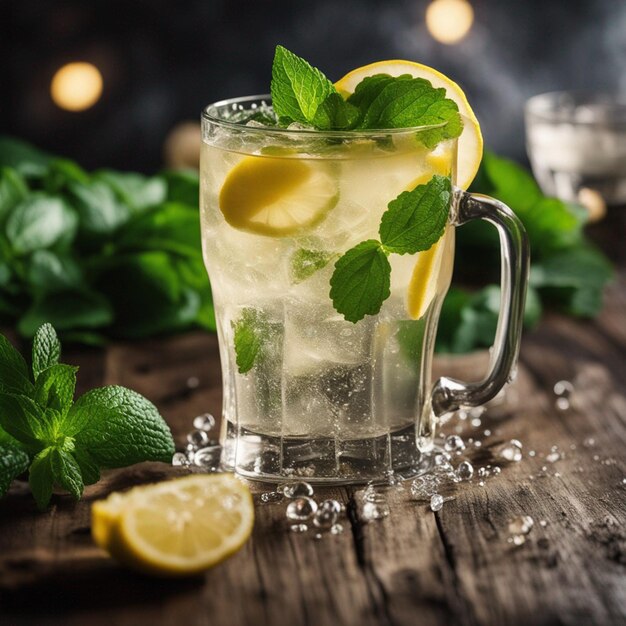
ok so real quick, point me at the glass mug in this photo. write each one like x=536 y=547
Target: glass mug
x=307 y=393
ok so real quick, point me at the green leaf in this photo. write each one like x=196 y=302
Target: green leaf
x=335 y=113
x=23 y=419
x=67 y=310
x=361 y=281
x=99 y=210
x=61 y=173
x=384 y=101
x=416 y=219
x=304 y=263
x=250 y=333
x=40 y=221
x=46 y=349
x=88 y=467
x=24 y=158
x=13 y=190
x=170 y=227
x=134 y=190
x=298 y=90
x=14 y=375
x=49 y=271
x=119 y=427
x=66 y=472
x=55 y=388
x=41 y=478
x=183 y=186
x=13 y=462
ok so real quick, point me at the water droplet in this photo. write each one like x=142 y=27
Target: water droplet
x=327 y=514
x=496 y=470
x=543 y=523
x=483 y=472
x=301 y=509
x=478 y=444
x=531 y=453
x=517 y=540
x=204 y=422
x=298 y=528
x=208 y=458
x=465 y=470
x=481 y=483
x=589 y=442
x=553 y=457
x=271 y=496
x=373 y=511
x=336 y=529
x=454 y=443
x=370 y=494
x=521 y=525
x=511 y=451
x=563 y=388
x=436 y=502
x=297 y=490
x=487 y=432
x=476 y=422
x=198 y=438
x=317 y=536
x=562 y=403
x=180 y=460
x=193 y=382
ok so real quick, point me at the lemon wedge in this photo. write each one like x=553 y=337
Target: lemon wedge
x=175 y=528
x=431 y=275
x=277 y=197
x=471 y=140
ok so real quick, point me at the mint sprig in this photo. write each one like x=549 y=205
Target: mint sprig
x=251 y=332
x=66 y=443
x=413 y=222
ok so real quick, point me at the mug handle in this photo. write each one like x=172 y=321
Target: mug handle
x=449 y=394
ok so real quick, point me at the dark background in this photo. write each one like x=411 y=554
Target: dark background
x=163 y=60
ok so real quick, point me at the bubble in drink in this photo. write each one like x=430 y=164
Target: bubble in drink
x=301 y=509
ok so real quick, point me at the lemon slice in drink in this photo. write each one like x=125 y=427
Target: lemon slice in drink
x=431 y=275
x=277 y=197
x=470 y=141
x=176 y=528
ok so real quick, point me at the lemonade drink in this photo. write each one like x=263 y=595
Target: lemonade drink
x=326 y=397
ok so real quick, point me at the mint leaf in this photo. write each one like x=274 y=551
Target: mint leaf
x=304 y=263
x=41 y=478
x=118 y=427
x=298 y=90
x=55 y=387
x=134 y=190
x=99 y=210
x=13 y=190
x=361 y=281
x=335 y=113
x=13 y=462
x=46 y=349
x=40 y=221
x=416 y=219
x=14 y=376
x=88 y=467
x=250 y=332
x=49 y=272
x=384 y=101
x=23 y=419
x=66 y=472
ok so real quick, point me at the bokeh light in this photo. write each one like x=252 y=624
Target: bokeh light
x=76 y=86
x=448 y=21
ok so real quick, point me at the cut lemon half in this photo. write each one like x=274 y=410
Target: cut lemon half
x=431 y=275
x=176 y=528
x=471 y=140
x=277 y=197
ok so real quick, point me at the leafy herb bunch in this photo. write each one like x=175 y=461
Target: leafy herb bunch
x=64 y=443
x=98 y=255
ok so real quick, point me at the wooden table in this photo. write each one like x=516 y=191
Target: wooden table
x=415 y=567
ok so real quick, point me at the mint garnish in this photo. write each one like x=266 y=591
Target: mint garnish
x=361 y=280
x=251 y=331
x=304 y=263
x=416 y=219
x=63 y=442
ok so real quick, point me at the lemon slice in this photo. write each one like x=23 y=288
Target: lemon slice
x=431 y=275
x=176 y=528
x=277 y=197
x=470 y=141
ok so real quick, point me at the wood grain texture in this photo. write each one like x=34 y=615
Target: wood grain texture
x=415 y=567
